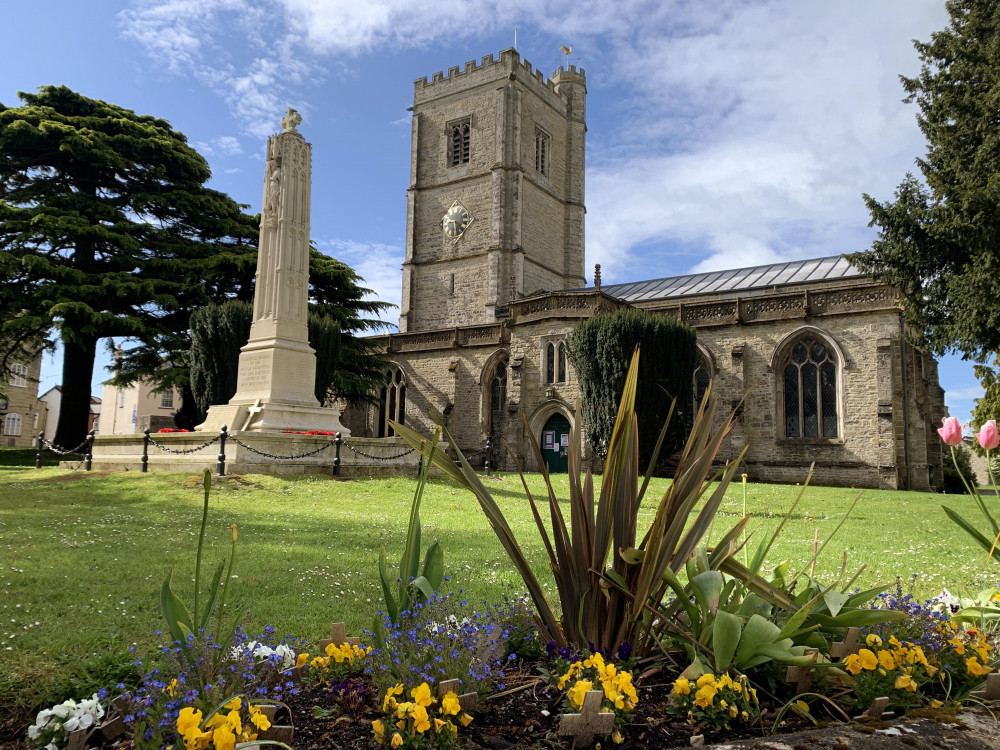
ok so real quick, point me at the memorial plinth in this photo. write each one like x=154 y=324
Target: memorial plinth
x=277 y=367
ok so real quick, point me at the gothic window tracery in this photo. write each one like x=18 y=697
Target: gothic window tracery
x=392 y=402
x=555 y=362
x=809 y=400
x=459 y=142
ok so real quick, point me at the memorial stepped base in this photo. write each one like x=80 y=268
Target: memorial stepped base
x=124 y=453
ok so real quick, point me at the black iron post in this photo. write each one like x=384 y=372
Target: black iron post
x=88 y=459
x=337 y=440
x=41 y=447
x=220 y=468
x=145 y=451
x=486 y=463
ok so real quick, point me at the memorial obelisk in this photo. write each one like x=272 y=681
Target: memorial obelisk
x=277 y=368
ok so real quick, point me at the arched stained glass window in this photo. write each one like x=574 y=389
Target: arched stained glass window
x=809 y=381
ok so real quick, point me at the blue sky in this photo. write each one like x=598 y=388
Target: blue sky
x=720 y=134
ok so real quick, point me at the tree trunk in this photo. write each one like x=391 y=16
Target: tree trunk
x=74 y=410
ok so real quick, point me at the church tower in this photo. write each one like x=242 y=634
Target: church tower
x=495 y=207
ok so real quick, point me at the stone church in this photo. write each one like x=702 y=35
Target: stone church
x=494 y=283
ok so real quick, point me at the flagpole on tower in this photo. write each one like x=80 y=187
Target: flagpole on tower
x=515 y=37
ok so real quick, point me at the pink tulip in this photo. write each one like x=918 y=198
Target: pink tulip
x=951 y=431
x=989 y=435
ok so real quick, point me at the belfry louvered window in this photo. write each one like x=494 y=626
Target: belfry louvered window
x=809 y=379
x=459 y=142
x=543 y=147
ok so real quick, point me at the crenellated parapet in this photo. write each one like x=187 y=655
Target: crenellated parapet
x=509 y=65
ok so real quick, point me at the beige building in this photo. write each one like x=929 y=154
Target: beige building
x=19 y=412
x=493 y=284
x=131 y=410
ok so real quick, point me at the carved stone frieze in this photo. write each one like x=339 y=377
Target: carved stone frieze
x=772 y=308
x=851 y=300
x=710 y=313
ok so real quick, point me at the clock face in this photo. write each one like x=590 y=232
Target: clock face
x=456 y=220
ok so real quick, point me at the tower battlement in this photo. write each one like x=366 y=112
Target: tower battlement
x=490 y=69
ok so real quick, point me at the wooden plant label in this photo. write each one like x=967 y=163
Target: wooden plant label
x=338 y=637
x=801 y=676
x=468 y=701
x=877 y=710
x=992 y=690
x=590 y=721
x=275 y=733
x=77 y=740
x=842 y=649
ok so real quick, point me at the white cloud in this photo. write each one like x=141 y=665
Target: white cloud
x=378 y=264
x=221 y=146
x=747 y=130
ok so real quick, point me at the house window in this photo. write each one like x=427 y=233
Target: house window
x=19 y=377
x=809 y=382
x=12 y=425
x=121 y=398
x=459 y=136
x=543 y=148
x=555 y=362
x=167 y=400
x=498 y=388
x=392 y=402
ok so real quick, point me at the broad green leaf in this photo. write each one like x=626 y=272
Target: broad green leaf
x=632 y=555
x=391 y=607
x=756 y=633
x=707 y=589
x=834 y=601
x=434 y=566
x=858 y=618
x=174 y=612
x=423 y=586
x=725 y=637
x=986 y=544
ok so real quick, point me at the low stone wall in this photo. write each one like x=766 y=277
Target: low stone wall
x=196 y=451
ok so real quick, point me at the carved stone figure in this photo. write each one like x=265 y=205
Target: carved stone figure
x=273 y=202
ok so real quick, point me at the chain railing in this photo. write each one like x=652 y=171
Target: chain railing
x=84 y=449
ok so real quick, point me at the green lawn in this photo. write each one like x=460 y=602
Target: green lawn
x=82 y=556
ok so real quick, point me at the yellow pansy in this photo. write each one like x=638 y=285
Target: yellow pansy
x=886 y=660
x=706 y=679
x=379 y=729
x=449 y=704
x=873 y=641
x=578 y=691
x=397 y=739
x=705 y=695
x=617 y=738
x=301 y=659
x=422 y=695
x=868 y=659
x=188 y=718
x=682 y=686
x=235 y=704
x=195 y=739
x=171 y=688
x=389 y=702
x=905 y=682
x=465 y=720
x=439 y=724
x=259 y=720
x=421 y=722
x=936 y=703
x=223 y=738
x=973 y=667
x=853 y=663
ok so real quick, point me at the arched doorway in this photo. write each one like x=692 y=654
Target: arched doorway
x=554 y=443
